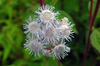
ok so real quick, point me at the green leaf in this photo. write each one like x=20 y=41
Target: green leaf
x=1 y=53
x=98 y=58
x=48 y=61
x=95 y=39
x=9 y=11
x=53 y=2
x=47 y=1
x=7 y=47
x=31 y=12
x=9 y=39
x=6 y=52
x=58 y=5
x=10 y=33
x=20 y=62
x=31 y=57
x=71 y=6
x=24 y=62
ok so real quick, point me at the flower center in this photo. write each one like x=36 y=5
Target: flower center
x=33 y=27
x=50 y=32
x=47 y=16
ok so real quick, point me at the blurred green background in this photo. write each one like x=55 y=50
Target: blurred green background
x=13 y=14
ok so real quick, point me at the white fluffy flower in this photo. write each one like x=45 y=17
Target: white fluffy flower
x=34 y=46
x=46 y=33
x=33 y=27
x=50 y=33
x=46 y=14
x=64 y=31
x=60 y=51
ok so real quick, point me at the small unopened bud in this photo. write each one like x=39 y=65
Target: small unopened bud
x=64 y=21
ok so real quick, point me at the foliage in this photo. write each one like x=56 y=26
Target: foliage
x=95 y=39
x=13 y=14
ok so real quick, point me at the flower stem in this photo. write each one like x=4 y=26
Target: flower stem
x=91 y=23
x=30 y=10
x=45 y=61
x=41 y=2
x=58 y=62
x=95 y=12
x=90 y=17
x=95 y=60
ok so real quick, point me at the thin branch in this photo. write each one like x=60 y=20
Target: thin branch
x=41 y=2
x=58 y=62
x=95 y=12
x=90 y=17
x=94 y=60
x=91 y=23
x=30 y=10
x=45 y=61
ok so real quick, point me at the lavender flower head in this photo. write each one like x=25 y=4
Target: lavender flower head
x=46 y=34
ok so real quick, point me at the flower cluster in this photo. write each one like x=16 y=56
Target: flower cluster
x=46 y=33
